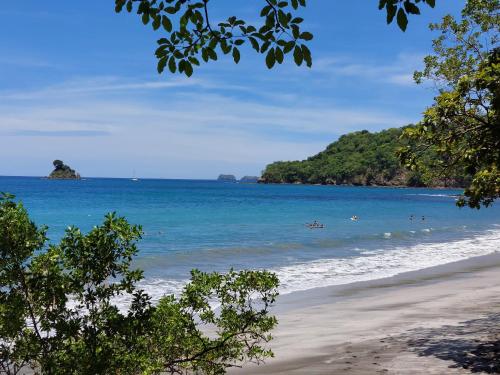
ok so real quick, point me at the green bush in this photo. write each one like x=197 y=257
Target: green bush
x=57 y=314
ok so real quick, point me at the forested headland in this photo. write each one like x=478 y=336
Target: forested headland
x=360 y=158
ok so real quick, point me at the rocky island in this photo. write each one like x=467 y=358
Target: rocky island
x=249 y=179
x=63 y=172
x=226 y=178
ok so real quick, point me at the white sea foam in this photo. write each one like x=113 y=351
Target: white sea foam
x=384 y=263
x=368 y=265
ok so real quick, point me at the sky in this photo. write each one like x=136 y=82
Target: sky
x=78 y=82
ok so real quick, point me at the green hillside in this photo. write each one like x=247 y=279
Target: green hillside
x=359 y=158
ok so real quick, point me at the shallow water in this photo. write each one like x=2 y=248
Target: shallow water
x=215 y=226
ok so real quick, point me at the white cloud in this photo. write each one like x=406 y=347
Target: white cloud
x=198 y=132
x=400 y=72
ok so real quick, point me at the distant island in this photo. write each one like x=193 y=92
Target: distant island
x=250 y=179
x=359 y=158
x=226 y=178
x=63 y=172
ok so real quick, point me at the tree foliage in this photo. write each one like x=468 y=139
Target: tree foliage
x=58 y=313
x=191 y=35
x=359 y=158
x=462 y=127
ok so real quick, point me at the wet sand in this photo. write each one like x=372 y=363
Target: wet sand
x=441 y=320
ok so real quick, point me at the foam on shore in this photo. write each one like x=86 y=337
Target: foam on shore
x=366 y=265
x=377 y=264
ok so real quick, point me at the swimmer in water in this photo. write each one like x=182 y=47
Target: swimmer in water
x=315 y=225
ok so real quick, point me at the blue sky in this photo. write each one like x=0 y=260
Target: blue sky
x=79 y=83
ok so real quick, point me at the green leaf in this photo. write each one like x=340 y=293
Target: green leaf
x=172 y=66
x=278 y=53
x=255 y=44
x=119 y=6
x=167 y=24
x=402 y=19
x=298 y=56
x=193 y=60
x=264 y=46
x=236 y=55
x=188 y=68
x=212 y=54
x=306 y=36
x=161 y=64
x=289 y=46
x=204 y=54
x=411 y=8
x=307 y=55
x=270 y=58
x=156 y=23
x=391 y=12
x=265 y=10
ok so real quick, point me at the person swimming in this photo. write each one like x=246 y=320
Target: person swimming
x=354 y=218
x=315 y=225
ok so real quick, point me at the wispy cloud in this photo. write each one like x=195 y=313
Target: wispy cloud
x=97 y=85
x=399 y=72
x=27 y=61
x=171 y=129
x=57 y=133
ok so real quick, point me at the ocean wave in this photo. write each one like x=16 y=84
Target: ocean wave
x=330 y=242
x=366 y=265
x=384 y=263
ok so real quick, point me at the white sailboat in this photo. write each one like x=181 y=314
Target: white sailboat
x=134 y=178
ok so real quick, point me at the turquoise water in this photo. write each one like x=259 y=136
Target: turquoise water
x=215 y=226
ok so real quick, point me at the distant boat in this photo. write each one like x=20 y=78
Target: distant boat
x=134 y=178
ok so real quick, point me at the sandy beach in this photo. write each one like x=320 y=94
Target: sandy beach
x=441 y=320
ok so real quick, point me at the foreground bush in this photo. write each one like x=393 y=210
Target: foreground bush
x=57 y=314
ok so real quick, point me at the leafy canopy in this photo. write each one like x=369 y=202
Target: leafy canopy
x=191 y=35
x=58 y=316
x=358 y=158
x=462 y=127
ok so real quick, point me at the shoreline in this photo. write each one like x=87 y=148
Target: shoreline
x=393 y=325
x=367 y=186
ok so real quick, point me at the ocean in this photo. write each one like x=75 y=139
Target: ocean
x=216 y=226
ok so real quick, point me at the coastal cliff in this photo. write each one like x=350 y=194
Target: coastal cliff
x=359 y=158
x=63 y=172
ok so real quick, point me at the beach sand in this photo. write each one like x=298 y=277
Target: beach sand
x=441 y=320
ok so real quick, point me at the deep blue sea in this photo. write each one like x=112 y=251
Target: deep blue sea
x=215 y=226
